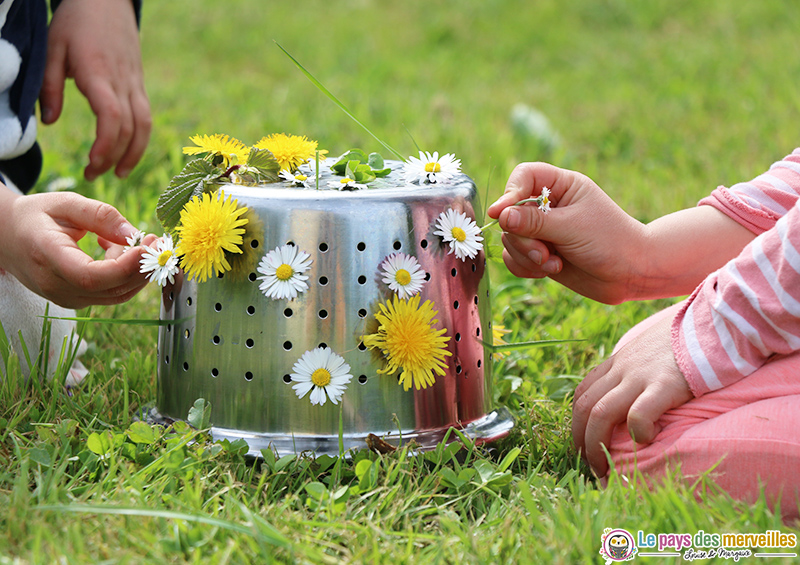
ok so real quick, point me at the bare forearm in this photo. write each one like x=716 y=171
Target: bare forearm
x=682 y=248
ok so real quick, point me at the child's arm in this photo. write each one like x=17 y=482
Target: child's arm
x=590 y=245
x=40 y=234
x=96 y=42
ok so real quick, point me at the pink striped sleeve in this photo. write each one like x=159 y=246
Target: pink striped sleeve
x=758 y=204
x=744 y=313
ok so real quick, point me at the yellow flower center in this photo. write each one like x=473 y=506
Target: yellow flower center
x=346 y=180
x=164 y=257
x=458 y=234
x=433 y=168
x=300 y=178
x=284 y=272
x=321 y=377
x=402 y=276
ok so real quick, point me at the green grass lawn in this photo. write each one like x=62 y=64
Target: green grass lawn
x=659 y=102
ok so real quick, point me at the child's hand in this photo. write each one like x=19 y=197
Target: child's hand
x=40 y=235
x=586 y=242
x=96 y=42
x=638 y=384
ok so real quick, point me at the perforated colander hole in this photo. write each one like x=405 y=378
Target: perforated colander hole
x=475 y=300
x=216 y=340
x=249 y=343
x=479 y=363
x=251 y=310
x=169 y=328
x=397 y=245
x=218 y=307
x=361 y=346
x=220 y=275
x=215 y=372
x=458 y=337
x=287 y=345
x=254 y=244
x=323 y=281
x=362 y=379
x=323 y=314
x=185 y=366
x=478 y=332
x=458 y=369
x=189 y=301
x=453 y=272
x=248 y=376
x=287 y=378
x=427 y=276
x=455 y=305
x=361 y=246
x=290 y=242
x=288 y=312
x=423 y=243
x=253 y=277
x=362 y=313
x=323 y=247
x=323 y=345
x=362 y=279
x=474 y=267
x=166 y=359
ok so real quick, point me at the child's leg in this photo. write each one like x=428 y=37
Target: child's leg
x=747 y=432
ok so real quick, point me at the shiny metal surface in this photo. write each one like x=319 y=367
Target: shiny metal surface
x=236 y=347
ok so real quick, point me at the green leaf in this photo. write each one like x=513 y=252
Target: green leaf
x=101 y=444
x=266 y=163
x=200 y=414
x=186 y=184
x=141 y=432
x=40 y=456
x=375 y=161
x=316 y=490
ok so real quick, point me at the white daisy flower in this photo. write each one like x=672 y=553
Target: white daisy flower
x=462 y=233
x=322 y=372
x=544 y=200
x=299 y=179
x=403 y=274
x=161 y=261
x=135 y=240
x=431 y=168
x=346 y=184
x=282 y=272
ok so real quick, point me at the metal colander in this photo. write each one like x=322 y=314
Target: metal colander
x=235 y=347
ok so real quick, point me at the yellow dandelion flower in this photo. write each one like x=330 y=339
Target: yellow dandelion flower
x=209 y=227
x=498 y=333
x=231 y=150
x=409 y=342
x=290 y=151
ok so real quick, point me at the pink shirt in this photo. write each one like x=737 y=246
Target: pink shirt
x=749 y=310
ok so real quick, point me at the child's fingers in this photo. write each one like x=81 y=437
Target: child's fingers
x=533 y=256
x=142 y=125
x=91 y=215
x=651 y=405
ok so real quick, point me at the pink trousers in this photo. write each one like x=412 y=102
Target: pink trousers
x=746 y=436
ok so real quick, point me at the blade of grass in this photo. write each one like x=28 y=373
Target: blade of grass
x=336 y=101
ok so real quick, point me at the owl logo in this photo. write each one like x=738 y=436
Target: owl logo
x=617 y=545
